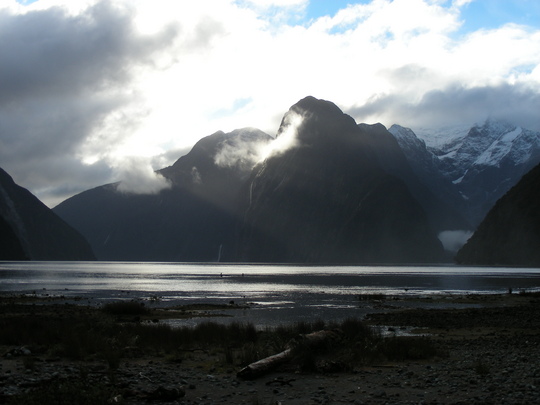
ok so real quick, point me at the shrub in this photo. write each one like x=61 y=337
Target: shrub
x=125 y=308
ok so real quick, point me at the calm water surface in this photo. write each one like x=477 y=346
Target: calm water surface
x=277 y=293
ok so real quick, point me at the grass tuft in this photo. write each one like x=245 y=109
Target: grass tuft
x=131 y=308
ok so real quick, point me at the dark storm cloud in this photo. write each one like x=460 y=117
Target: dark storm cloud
x=48 y=53
x=457 y=105
x=61 y=76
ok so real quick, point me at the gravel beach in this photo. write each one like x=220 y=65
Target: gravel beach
x=488 y=353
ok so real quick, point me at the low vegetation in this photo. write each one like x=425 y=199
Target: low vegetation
x=121 y=331
x=126 y=308
x=116 y=331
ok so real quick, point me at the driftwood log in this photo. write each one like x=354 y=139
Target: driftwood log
x=268 y=364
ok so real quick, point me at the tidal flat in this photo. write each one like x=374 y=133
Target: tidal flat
x=475 y=348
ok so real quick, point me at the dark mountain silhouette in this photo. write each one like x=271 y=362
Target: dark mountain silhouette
x=510 y=232
x=31 y=231
x=191 y=221
x=328 y=198
x=327 y=190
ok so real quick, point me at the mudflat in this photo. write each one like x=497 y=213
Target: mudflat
x=485 y=352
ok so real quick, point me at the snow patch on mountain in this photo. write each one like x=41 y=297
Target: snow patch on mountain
x=444 y=138
x=493 y=155
x=457 y=181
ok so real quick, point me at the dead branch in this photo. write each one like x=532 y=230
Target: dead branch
x=267 y=364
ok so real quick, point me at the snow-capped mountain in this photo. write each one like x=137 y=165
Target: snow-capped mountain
x=482 y=163
x=442 y=138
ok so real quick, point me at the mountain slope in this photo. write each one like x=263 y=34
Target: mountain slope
x=10 y=245
x=30 y=230
x=191 y=221
x=510 y=233
x=326 y=198
x=405 y=156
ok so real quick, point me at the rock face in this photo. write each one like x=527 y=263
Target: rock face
x=31 y=231
x=326 y=197
x=510 y=233
x=193 y=220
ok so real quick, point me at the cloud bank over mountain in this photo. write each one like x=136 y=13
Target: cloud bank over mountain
x=85 y=84
x=439 y=108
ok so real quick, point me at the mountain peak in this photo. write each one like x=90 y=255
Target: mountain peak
x=238 y=150
x=313 y=119
x=497 y=126
x=314 y=105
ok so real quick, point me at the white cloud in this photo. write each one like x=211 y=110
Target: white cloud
x=276 y=3
x=138 y=177
x=103 y=80
x=286 y=139
x=242 y=151
x=461 y=3
x=196 y=176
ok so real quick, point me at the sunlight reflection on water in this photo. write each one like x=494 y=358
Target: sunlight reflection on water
x=275 y=292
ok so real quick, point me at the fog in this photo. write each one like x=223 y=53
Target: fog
x=453 y=240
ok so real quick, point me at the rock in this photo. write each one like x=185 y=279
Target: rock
x=18 y=351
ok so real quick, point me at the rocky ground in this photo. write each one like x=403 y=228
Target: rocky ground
x=485 y=355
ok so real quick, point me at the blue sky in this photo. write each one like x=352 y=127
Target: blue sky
x=495 y=13
x=135 y=83
x=478 y=14
x=318 y=8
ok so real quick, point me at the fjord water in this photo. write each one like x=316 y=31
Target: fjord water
x=276 y=293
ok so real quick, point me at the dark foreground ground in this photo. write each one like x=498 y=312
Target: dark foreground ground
x=55 y=353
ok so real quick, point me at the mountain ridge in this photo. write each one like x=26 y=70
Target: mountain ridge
x=315 y=145
x=220 y=179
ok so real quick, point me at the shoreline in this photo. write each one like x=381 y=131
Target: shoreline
x=488 y=352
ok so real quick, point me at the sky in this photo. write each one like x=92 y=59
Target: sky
x=95 y=91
